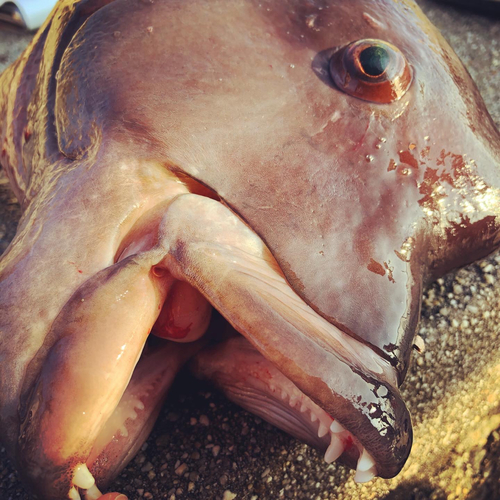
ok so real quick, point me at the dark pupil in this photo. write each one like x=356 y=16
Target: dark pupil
x=374 y=60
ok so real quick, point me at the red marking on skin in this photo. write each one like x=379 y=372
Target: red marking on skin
x=74 y=264
x=432 y=179
x=376 y=268
x=408 y=158
x=390 y=270
x=425 y=152
x=348 y=442
x=27 y=134
x=4 y=152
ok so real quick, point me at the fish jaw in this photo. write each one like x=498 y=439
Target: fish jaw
x=65 y=375
x=86 y=399
x=251 y=381
x=213 y=250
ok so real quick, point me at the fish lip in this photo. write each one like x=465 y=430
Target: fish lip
x=108 y=457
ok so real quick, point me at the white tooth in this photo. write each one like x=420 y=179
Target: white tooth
x=336 y=427
x=124 y=431
x=292 y=401
x=303 y=408
x=272 y=387
x=313 y=417
x=139 y=405
x=365 y=461
x=323 y=429
x=334 y=450
x=82 y=477
x=73 y=494
x=93 y=493
x=284 y=395
x=363 y=476
x=132 y=415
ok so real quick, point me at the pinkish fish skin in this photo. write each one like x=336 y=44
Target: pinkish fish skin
x=359 y=205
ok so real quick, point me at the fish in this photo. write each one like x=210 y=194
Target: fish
x=311 y=226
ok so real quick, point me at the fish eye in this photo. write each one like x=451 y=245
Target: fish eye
x=372 y=70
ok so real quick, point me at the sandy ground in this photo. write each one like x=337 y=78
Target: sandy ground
x=203 y=447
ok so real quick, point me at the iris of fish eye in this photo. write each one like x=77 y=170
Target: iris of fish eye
x=372 y=70
x=374 y=60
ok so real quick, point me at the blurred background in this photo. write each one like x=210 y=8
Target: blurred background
x=203 y=447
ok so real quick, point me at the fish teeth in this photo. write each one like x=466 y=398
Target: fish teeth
x=284 y=395
x=93 y=493
x=313 y=417
x=293 y=401
x=322 y=430
x=82 y=477
x=334 y=450
x=73 y=494
x=336 y=427
x=363 y=476
x=303 y=408
x=365 y=461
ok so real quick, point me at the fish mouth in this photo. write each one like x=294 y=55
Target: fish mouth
x=248 y=379
x=282 y=360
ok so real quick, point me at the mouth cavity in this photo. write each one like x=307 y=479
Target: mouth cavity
x=97 y=398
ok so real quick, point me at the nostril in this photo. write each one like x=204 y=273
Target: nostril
x=159 y=272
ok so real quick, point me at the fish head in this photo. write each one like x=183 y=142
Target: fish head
x=305 y=168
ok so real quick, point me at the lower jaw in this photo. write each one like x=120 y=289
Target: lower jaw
x=275 y=399
x=259 y=387
x=132 y=420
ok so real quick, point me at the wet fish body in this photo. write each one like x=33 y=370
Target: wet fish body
x=172 y=209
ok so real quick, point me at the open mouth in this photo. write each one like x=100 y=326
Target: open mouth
x=281 y=359
x=249 y=380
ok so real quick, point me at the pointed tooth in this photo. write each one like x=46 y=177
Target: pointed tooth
x=303 y=408
x=336 y=427
x=73 y=494
x=139 y=405
x=93 y=493
x=365 y=461
x=82 y=477
x=272 y=387
x=363 y=476
x=322 y=430
x=334 y=450
x=284 y=395
x=293 y=401
x=124 y=431
x=313 y=417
